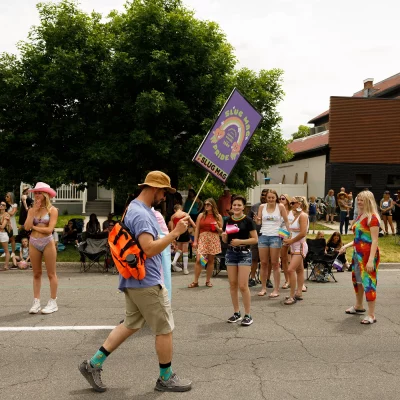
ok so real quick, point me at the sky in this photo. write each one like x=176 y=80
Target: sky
x=325 y=48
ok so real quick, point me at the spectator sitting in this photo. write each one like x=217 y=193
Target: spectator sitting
x=69 y=233
x=110 y=227
x=108 y=221
x=22 y=261
x=333 y=246
x=93 y=226
x=320 y=235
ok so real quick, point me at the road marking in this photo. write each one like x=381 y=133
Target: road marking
x=56 y=328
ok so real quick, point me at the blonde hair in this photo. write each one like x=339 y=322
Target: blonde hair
x=303 y=201
x=287 y=197
x=48 y=204
x=177 y=207
x=370 y=207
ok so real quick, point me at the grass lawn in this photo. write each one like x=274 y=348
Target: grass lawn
x=388 y=249
x=320 y=227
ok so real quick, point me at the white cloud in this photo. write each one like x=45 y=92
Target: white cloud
x=325 y=48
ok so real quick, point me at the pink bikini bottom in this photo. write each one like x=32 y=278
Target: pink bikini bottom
x=41 y=242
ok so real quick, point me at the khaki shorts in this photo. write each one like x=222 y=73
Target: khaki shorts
x=149 y=305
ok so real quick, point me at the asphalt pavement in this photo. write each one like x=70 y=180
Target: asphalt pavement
x=310 y=350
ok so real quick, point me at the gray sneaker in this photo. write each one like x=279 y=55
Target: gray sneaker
x=93 y=376
x=173 y=384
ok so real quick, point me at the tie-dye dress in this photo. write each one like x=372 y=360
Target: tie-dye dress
x=362 y=250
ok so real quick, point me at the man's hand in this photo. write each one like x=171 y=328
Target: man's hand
x=181 y=226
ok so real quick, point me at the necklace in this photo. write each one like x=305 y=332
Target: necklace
x=237 y=218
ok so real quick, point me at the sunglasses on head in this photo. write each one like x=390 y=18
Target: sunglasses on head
x=2 y=204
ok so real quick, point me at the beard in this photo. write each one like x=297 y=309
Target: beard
x=156 y=203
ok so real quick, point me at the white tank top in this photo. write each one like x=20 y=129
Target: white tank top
x=294 y=227
x=290 y=218
x=271 y=222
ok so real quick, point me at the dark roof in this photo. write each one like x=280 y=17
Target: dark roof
x=379 y=88
x=309 y=143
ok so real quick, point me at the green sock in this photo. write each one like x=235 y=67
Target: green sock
x=165 y=371
x=98 y=359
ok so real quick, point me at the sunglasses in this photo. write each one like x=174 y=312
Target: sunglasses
x=283 y=198
x=2 y=204
x=293 y=203
x=207 y=204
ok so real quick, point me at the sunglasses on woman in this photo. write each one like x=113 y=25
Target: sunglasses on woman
x=207 y=204
x=292 y=203
x=283 y=198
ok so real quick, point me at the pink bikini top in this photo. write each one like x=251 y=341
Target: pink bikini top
x=45 y=220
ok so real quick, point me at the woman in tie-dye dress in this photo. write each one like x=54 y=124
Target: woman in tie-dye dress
x=365 y=260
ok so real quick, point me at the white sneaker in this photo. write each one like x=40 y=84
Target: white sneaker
x=12 y=255
x=176 y=269
x=51 y=307
x=35 y=307
x=3 y=255
x=185 y=271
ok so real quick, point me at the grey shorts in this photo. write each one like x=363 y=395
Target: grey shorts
x=149 y=305
x=330 y=210
x=312 y=218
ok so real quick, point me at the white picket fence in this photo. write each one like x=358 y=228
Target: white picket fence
x=64 y=192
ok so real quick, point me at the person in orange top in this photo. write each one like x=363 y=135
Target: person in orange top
x=206 y=240
x=225 y=203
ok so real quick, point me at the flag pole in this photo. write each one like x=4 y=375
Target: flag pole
x=197 y=195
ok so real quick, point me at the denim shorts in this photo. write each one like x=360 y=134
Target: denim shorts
x=237 y=258
x=273 y=242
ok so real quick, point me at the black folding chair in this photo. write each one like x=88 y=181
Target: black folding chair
x=93 y=254
x=320 y=264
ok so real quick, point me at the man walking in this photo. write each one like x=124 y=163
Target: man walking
x=146 y=300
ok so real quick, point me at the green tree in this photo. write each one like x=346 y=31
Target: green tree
x=107 y=101
x=302 y=131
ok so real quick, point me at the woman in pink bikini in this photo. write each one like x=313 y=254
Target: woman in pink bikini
x=42 y=219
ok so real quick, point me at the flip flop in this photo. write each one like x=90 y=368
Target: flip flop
x=193 y=285
x=368 y=320
x=304 y=290
x=262 y=293
x=298 y=298
x=209 y=284
x=353 y=310
x=273 y=296
x=286 y=286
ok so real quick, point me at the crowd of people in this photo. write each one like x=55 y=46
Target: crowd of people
x=273 y=233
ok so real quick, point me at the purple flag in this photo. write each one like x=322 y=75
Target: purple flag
x=230 y=134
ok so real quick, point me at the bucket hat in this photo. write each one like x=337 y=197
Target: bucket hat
x=158 y=179
x=44 y=187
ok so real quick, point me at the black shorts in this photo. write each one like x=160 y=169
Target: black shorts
x=184 y=238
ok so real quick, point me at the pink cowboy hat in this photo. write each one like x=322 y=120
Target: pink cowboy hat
x=44 y=187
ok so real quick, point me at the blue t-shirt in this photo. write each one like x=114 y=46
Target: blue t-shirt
x=312 y=209
x=141 y=219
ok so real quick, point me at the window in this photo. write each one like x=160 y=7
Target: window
x=393 y=180
x=363 y=179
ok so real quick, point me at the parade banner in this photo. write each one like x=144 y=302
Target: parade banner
x=228 y=137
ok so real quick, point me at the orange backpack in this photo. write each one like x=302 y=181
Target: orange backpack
x=125 y=250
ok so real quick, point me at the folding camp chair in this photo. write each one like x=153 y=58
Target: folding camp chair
x=93 y=253
x=319 y=263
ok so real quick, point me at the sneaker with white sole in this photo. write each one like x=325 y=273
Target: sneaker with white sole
x=176 y=268
x=236 y=317
x=35 y=307
x=12 y=255
x=185 y=271
x=3 y=255
x=173 y=384
x=92 y=375
x=50 y=307
x=247 y=320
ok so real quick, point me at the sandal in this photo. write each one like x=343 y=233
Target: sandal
x=273 y=295
x=208 y=284
x=193 y=285
x=368 y=320
x=286 y=285
x=289 y=301
x=298 y=298
x=353 y=310
x=304 y=289
x=262 y=293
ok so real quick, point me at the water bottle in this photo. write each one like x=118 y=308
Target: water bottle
x=131 y=260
